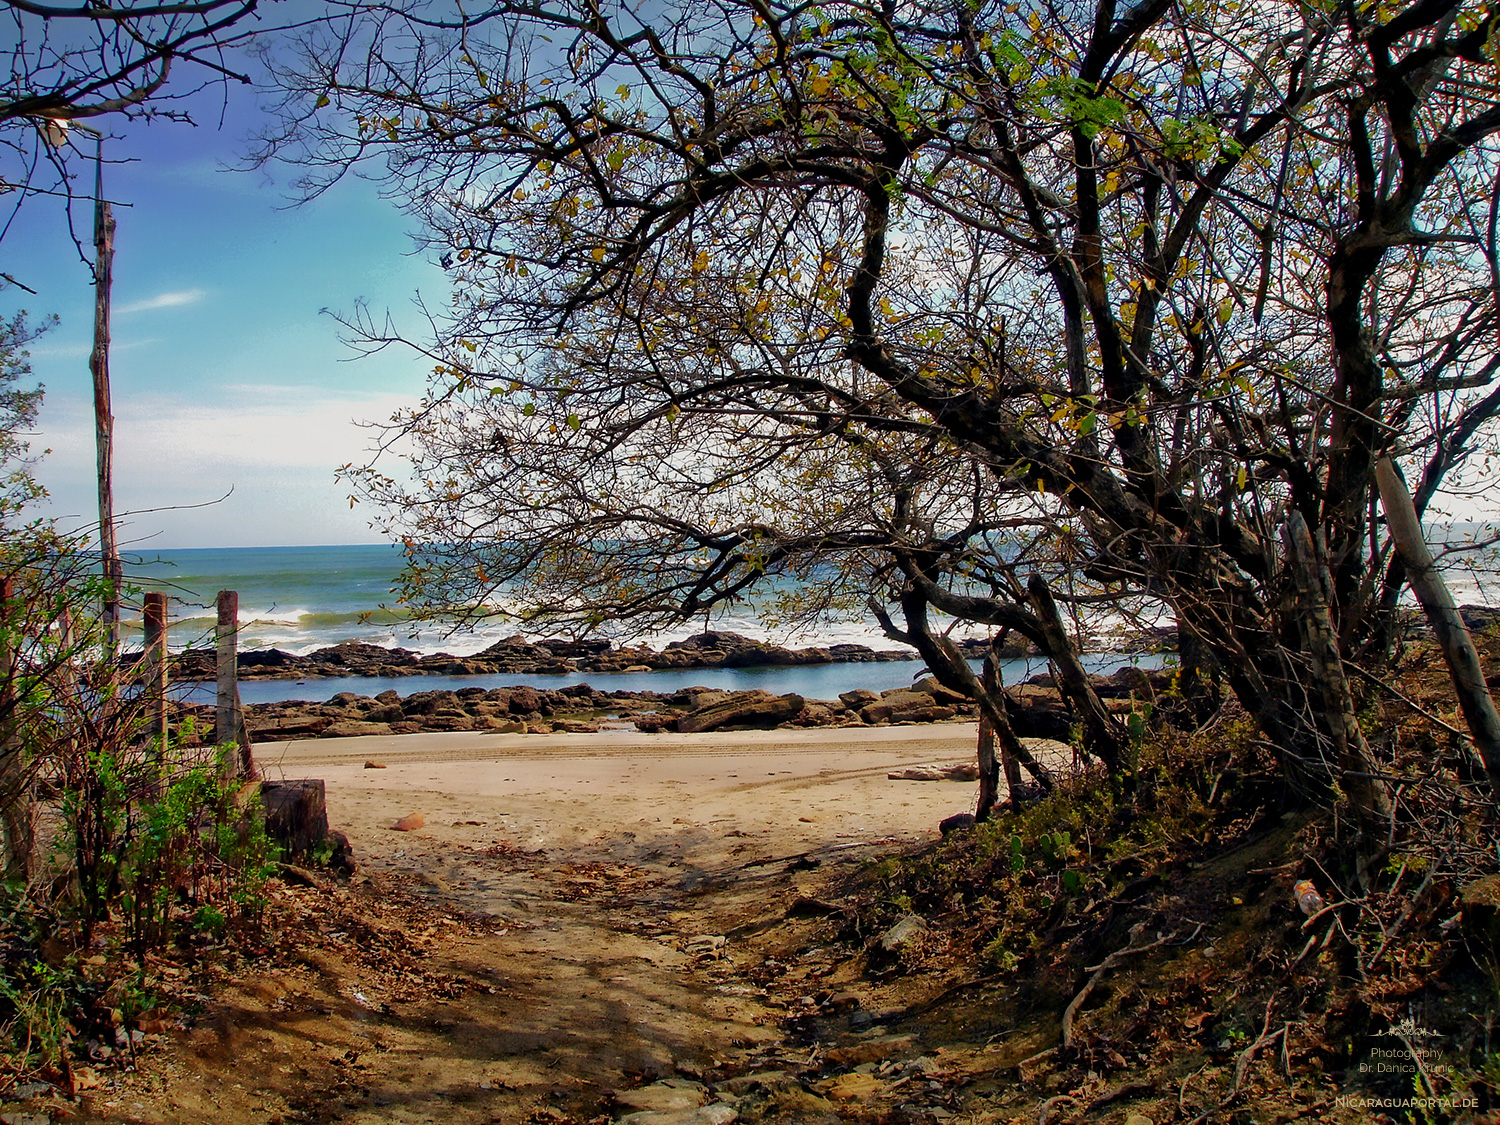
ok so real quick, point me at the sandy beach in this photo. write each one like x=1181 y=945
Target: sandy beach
x=539 y=944
x=675 y=799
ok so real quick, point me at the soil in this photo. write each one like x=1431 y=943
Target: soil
x=590 y=926
x=579 y=916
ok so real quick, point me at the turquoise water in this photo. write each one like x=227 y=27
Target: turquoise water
x=304 y=598
x=295 y=598
x=817 y=681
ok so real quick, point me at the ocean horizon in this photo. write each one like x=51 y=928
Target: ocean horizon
x=302 y=598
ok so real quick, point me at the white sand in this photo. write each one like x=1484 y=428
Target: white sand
x=628 y=794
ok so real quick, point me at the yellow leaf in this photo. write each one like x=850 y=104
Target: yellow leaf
x=598 y=253
x=700 y=263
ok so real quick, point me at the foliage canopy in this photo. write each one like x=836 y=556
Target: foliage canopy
x=937 y=298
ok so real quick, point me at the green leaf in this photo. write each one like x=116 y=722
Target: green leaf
x=574 y=422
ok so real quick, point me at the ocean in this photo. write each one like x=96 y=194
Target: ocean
x=303 y=598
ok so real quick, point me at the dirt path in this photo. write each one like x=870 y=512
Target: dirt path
x=575 y=921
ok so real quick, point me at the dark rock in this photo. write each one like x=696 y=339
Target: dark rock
x=341 y=857
x=357 y=654
x=743 y=709
x=524 y=700
x=958 y=822
x=1478 y=618
x=571 y=648
x=285 y=728
x=1481 y=914
x=270 y=658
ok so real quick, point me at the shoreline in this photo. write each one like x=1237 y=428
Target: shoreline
x=1038 y=710
x=558 y=656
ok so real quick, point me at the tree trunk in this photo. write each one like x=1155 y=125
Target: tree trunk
x=1102 y=735
x=995 y=736
x=952 y=671
x=1447 y=625
x=1354 y=764
x=17 y=803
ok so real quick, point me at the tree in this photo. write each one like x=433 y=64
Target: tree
x=1178 y=274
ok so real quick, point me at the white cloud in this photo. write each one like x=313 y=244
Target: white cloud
x=278 y=448
x=172 y=300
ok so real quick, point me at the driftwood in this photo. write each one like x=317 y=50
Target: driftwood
x=1447 y=626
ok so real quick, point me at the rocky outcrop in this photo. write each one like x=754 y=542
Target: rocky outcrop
x=754 y=709
x=1036 y=710
x=518 y=656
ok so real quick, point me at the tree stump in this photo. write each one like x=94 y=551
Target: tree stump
x=296 y=816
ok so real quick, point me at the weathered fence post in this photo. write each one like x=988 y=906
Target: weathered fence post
x=229 y=717
x=17 y=814
x=154 y=665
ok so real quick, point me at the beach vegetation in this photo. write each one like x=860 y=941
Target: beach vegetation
x=116 y=843
x=956 y=313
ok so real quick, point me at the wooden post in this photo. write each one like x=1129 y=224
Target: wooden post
x=229 y=716
x=154 y=664
x=104 y=422
x=17 y=813
x=1447 y=625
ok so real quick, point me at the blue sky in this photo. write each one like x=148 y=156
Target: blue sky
x=224 y=372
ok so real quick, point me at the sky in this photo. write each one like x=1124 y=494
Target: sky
x=228 y=379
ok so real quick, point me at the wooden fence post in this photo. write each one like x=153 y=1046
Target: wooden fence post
x=154 y=662
x=229 y=717
x=17 y=813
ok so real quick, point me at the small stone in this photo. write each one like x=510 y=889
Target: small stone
x=855 y=1087
x=760 y=1080
x=662 y=1097
x=904 y=933
x=843 y=1002
x=374 y=765
x=706 y=943
x=25 y=1119
x=1139 y=1119
x=716 y=1114
x=410 y=822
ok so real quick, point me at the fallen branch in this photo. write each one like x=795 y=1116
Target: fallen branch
x=1099 y=970
x=1044 y=1114
x=1242 y=1064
